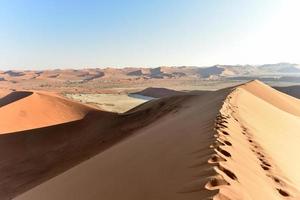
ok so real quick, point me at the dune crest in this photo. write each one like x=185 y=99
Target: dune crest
x=257 y=130
x=278 y=99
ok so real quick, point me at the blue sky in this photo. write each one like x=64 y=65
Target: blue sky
x=38 y=34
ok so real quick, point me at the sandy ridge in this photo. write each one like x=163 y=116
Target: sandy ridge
x=245 y=170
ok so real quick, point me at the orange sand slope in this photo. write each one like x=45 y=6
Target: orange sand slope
x=235 y=143
x=28 y=110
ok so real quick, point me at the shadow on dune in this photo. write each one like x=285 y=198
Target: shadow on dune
x=14 y=96
x=290 y=90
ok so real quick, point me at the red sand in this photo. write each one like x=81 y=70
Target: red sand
x=28 y=110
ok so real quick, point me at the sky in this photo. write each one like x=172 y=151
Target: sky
x=49 y=34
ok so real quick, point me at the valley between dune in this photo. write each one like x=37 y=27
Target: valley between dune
x=231 y=144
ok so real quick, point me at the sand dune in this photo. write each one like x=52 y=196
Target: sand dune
x=158 y=92
x=28 y=110
x=235 y=143
x=30 y=157
x=257 y=131
x=274 y=97
x=165 y=160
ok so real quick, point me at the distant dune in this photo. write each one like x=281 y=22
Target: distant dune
x=293 y=91
x=28 y=110
x=234 y=143
x=158 y=92
x=130 y=79
x=273 y=71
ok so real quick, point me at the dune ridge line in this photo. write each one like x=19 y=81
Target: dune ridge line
x=239 y=153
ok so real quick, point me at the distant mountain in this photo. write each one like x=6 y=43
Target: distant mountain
x=14 y=73
x=279 y=70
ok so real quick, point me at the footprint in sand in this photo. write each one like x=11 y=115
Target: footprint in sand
x=282 y=192
x=216 y=181
x=222 y=151
x=216 y=159
x=227 y=143
x=225 y=133
x=228 y=173
x=265 y=167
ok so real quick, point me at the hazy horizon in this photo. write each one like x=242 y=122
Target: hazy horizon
x=78 y=34
x=121 y=67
